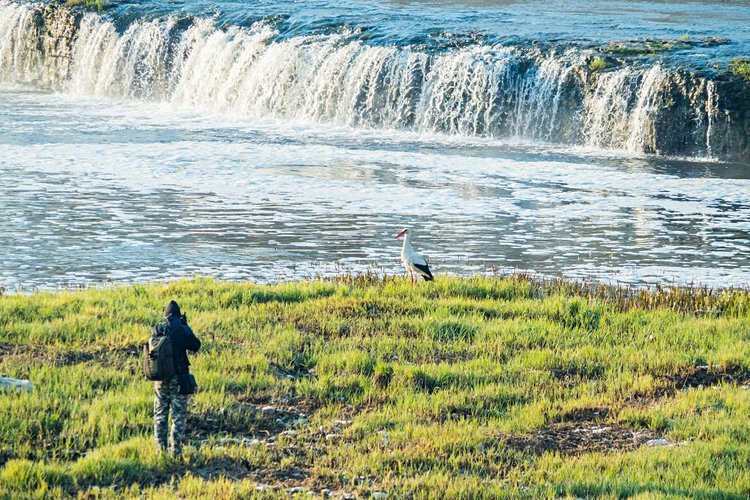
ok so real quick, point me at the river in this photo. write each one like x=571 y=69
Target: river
x=283 y=140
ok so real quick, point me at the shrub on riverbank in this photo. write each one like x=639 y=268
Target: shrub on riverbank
x=740 y=67
x=97 y=5
x=473 y=387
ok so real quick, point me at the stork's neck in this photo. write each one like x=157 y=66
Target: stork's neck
x=407 y=241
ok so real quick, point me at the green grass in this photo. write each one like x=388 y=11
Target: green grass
x=740 y=67
x=97 y=5
x=598 y=64
x=463 y=387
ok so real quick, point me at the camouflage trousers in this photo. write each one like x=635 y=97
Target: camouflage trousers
x=167 y=395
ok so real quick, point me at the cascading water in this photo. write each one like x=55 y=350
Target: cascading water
x=478 y=90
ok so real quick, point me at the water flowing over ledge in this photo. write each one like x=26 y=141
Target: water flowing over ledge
x=547 y=94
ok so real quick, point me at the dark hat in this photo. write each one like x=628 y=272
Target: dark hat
x=172 y=309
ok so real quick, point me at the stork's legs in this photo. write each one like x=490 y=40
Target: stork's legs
x=412 y=278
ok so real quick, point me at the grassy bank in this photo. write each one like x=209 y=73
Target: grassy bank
x=461 y=387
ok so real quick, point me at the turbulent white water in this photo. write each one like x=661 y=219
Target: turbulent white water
x=98 y=190
x=479 y=90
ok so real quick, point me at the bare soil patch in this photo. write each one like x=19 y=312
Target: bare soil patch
x=107 y=356
x=582 y=431
x=706 y=376
x=252 y=417
x=7 y=349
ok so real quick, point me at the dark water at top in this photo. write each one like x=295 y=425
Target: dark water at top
x=439 y=24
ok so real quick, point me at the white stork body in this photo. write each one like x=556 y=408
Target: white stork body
x=413 y=262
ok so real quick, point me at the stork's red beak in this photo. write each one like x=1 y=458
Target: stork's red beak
x=400 y=234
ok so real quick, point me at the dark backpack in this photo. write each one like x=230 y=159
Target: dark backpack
x=158 y=355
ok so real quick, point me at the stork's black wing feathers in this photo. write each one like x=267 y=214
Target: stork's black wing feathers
x=426 y=270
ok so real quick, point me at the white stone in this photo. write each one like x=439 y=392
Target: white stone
x=268 y=409
x=380 y=495
x=15 y=384
x=227 y=440
x=657 y=442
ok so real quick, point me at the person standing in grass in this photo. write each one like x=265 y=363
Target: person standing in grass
x=174 y=392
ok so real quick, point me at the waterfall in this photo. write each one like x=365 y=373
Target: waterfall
x=477 y=90
x=17 y=56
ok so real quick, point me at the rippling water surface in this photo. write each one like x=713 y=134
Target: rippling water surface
x=427 y=22
x=98 y=190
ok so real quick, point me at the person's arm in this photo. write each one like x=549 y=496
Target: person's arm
x=191 y=342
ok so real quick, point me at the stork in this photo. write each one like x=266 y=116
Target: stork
x=413 y=262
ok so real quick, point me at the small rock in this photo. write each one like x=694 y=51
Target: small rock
x=296 y=489
x=227 y=440
x=280 y=422
x=349 y=496
x=330 y=437
x=657 y=442
x=384 y=437
x=342 y=422
x=380 y=495
x=262 y=487
x=640 y=435
x=300 y=421
x=15 y=384
x=289 y=433
x=325 y=492
x=268 y=409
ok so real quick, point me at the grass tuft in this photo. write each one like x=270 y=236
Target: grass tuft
x=740 y=67
x=598 y=64
x=97 y=5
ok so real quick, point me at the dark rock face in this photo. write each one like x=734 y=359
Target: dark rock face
x=548 y=95
x=51 y=46
x=735 y=101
